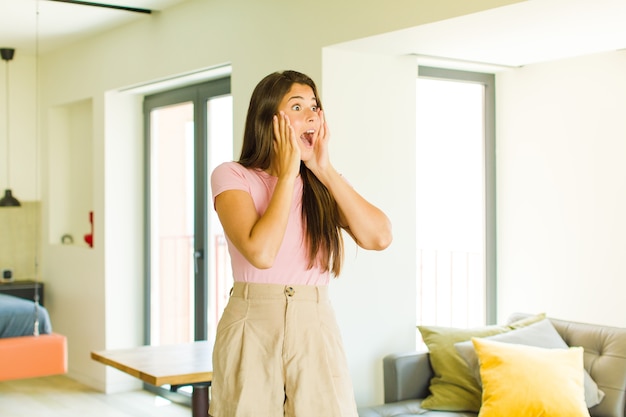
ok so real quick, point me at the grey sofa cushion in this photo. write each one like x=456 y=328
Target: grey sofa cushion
x=408 y=408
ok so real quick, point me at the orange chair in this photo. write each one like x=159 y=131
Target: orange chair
x=32 y=356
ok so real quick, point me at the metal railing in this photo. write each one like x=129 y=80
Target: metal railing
x=450 y=289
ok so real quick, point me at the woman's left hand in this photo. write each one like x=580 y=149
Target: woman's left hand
x=321 y=159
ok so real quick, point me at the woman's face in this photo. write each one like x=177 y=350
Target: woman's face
x=300 y=105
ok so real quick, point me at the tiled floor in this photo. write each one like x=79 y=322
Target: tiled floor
x=60 y=396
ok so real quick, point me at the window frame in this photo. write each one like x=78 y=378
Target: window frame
x=488 y=81
x=199 y=94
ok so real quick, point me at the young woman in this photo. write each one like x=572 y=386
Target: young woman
x=283 y=206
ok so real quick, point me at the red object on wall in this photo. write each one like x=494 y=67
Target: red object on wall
x=89 y=237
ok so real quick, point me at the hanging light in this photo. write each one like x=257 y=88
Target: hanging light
x=8 y=200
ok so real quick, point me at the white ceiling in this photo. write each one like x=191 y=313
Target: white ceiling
x=537 y=31
x=61 y=23
x=522 y=33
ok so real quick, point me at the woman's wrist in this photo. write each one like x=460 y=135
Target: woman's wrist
x=327 y=176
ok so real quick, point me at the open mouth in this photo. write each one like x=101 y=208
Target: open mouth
x=307 y=137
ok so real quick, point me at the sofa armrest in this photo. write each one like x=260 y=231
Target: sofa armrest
x=406 y=376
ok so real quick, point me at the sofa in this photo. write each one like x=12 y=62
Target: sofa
x=407 y=376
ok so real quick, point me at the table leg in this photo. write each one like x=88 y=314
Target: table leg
x=200 y=400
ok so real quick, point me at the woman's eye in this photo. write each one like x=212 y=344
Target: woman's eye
x=296 y=107
x=315 y=109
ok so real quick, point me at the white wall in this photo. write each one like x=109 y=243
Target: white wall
x=21 y=126
x=95 y=294
x=561 y=181
x=372 y=144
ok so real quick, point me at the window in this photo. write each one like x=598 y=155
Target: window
x=455 y=198
x=188 y=132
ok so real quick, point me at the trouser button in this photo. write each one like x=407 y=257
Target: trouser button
x=290 y=291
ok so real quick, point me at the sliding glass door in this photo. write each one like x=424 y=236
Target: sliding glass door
x=189 y=131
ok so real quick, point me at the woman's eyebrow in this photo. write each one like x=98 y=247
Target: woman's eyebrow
x=301 y=98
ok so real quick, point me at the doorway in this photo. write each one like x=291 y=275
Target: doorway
x=188 y=132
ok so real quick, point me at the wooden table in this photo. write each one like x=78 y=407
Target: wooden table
x=180 y=364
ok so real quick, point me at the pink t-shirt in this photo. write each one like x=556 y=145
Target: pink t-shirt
x=290 y=266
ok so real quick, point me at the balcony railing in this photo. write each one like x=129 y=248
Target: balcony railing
x=450 y=289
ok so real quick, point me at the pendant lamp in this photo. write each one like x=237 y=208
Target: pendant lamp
x=8 y=200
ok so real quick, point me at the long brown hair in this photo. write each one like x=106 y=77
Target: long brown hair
x=320 y=213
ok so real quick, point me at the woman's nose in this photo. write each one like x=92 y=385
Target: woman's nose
x=311 y=115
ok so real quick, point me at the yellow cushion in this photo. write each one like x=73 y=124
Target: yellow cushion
x=453 y=387
x=526 y=381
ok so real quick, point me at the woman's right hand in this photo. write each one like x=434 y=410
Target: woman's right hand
x=259 y=236
x=286 y=161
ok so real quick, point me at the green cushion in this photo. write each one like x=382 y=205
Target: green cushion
x=453 y=387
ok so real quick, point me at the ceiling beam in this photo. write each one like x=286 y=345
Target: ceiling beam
x=108 y=6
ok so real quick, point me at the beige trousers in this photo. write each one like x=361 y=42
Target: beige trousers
x=278 y=352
